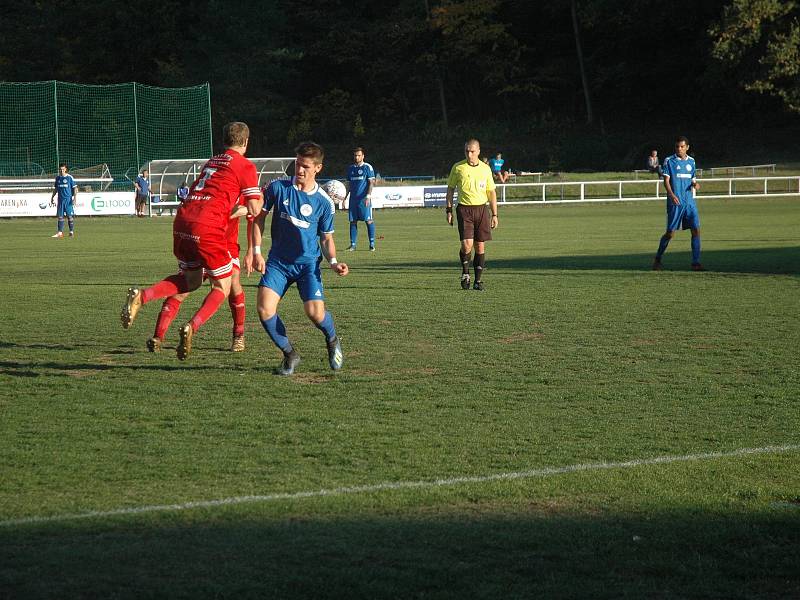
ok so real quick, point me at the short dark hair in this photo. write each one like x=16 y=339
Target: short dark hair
x=310 y=150
x=358 y=149
x=682 y=138
x=235 y=134
x=63 y=165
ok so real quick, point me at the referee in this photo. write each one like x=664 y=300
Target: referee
x=473 y=180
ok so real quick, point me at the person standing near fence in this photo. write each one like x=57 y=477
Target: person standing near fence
x=473 y=180
x=680 y=180
x=67 y=191
x=182 y=193
x=361 y=177
x=142 y=185
x=653 y=165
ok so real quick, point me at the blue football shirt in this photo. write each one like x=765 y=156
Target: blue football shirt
x=298 y=220
x=144 y=185
x=64 y=185
x=496 y=164
x=359 y=176
x=681 y=174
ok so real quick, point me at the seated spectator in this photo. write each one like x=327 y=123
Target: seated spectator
x=496 y=164
x=653 y=164
x=183 y=192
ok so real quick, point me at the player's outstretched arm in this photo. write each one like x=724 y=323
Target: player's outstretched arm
x=248 y=255
x=238 y=211
x=254 y=205
x=329 y=252
x=255 y=233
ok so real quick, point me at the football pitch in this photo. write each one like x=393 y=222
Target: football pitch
x=584 y=427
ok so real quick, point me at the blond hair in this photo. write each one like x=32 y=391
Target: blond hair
x=235 y=134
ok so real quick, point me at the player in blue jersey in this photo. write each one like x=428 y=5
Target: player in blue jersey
x=361 y=177
x=67 y=191
x=302 y=225
x=680 y=179
x=142 y=185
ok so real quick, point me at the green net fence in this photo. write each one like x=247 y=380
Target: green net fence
x=43 y=124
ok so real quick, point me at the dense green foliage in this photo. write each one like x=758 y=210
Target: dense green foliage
x=422 y=74
x=761 y=38
x=576 y=353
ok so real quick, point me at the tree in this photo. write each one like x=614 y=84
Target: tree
x=586 y=94
x=760 y=40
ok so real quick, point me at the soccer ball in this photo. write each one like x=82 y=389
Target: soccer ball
x=336 y=190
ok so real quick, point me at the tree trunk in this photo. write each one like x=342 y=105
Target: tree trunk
x=438 y=72
x=587 y=96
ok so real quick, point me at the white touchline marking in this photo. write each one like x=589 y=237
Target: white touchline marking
x=400 y=485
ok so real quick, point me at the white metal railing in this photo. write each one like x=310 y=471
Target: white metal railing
x=598 y=191
x=715 y=170
x=751 y=168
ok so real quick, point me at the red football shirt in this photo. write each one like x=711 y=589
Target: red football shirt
x=223 y=179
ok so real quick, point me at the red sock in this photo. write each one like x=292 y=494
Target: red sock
x=169 y=310
x=174 y=284
x=210 y=305
x=237 y=312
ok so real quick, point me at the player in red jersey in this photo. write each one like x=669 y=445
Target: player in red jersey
x=236 y=299
x=199 y=234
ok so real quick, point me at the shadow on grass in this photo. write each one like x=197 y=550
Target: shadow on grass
x=71 y=346
x=778 y=261
x=51 y=368
x=538 y=554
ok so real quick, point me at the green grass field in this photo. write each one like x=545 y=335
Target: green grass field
x=573 y=374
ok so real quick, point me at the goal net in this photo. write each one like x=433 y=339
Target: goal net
x=96 y=178
x=121 y=126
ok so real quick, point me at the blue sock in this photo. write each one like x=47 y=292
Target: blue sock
x=326 y=326
x=696 y=250
x=353 y=233
x=71 y=222
x=371 y=233
x=277 y=332
x=662 y=246
x=61 y=225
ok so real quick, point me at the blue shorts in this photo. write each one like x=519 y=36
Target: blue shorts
x=65 y=209
x=280 y=275
x=359 y=212
x=682 y=216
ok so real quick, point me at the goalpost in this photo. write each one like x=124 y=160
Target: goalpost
x=166 y=176
x=90 y=179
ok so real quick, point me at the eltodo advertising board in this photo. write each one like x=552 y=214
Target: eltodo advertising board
x=122 y=203
x=87 y=204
